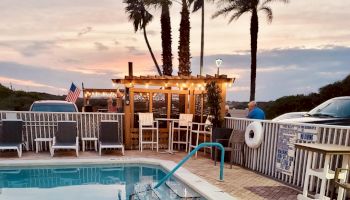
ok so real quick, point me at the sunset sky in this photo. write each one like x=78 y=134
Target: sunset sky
x=47 y=44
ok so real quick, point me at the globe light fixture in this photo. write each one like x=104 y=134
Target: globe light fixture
x=218 y=62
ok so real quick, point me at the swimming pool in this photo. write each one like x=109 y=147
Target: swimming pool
x=90 y=182
x=187 y=179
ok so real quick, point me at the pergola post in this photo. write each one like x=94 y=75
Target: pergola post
x=223 y=87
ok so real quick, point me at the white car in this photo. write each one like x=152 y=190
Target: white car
x=334 y=111
x=291 y=115
x=53 y=106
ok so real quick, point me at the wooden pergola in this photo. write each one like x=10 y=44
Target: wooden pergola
x=89 y=93
x=188 y=87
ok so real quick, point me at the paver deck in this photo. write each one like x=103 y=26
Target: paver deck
x=238 y=182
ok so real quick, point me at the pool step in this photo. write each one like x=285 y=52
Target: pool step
x=144 y=192
x=182 y=190
x=170 y=191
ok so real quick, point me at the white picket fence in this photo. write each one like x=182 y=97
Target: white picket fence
x=44 y=124
x=263 y=159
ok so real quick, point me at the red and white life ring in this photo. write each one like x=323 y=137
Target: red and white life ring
x=254 y=135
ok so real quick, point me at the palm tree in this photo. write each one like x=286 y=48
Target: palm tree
x=140 y=17
x=239 y=7
x=184 y=41
x=199 y=4
x=165 y=32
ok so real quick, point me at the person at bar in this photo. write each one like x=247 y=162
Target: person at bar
x=254 y=111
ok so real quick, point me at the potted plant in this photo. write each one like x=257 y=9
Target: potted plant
x=214 y=100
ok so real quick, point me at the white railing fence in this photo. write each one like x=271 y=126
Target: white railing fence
x=263 y=159
x=44 y=124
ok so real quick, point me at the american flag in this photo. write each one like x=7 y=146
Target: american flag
x=73 y=93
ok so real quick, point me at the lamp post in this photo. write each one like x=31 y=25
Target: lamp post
x=218 y=62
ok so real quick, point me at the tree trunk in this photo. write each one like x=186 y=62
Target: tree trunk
x=166 y=40
x=254 y=29
x=184 y=42
x=202 y=41
x=150 y=51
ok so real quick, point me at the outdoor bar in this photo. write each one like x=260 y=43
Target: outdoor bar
x=166 y=97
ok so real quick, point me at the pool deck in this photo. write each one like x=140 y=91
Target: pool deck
x=238 y=182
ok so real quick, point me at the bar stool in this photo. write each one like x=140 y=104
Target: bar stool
x=146 y=122
x=200 y=128
x=183 y=124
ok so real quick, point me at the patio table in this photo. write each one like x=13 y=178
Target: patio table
x=325 y=173
x=169 y=120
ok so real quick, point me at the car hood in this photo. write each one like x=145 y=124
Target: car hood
x=317 y=120
x=304 y=119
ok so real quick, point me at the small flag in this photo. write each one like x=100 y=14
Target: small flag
x=73 y=93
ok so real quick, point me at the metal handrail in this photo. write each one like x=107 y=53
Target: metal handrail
x=206 y=144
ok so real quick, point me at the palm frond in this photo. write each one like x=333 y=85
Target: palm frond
x=238 y=6
x=137 y=13
x=268 y=12
x=236 y=15
x=266 y=2
x=157 y=3
x=197 y=4
x=224 y=11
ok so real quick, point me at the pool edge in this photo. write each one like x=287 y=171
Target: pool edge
x=200 y=185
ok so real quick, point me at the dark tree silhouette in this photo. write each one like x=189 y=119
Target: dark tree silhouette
x=165 y=33
x=199 y=4
x=140 y=18
x=238 y=7
x=184 y=41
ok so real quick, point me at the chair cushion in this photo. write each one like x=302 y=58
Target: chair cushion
x=64 y=144
x=110 y=143
x=109 y=132
x=66 y=132
x=11 y=132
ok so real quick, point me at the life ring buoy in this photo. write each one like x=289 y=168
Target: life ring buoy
x=254 y=135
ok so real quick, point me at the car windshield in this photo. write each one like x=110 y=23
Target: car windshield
x=339 y=108
x=53 y=108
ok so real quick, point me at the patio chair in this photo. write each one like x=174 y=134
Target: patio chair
x=146 y=122
x=198 y=129
x=232 y=145
x=11 y=135
x=182 y=125
x=110 y=136
x=66 y=137
x=338 y=182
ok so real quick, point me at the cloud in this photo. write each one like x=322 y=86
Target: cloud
x=134 y=50
x=87 y=71
x=84 y=31
x=95 y=77
x=27 y=83
x=30 y=48
x=132 y=39
x=70 y=61
x=152 y=33
x=101 y=47
x=281 y=72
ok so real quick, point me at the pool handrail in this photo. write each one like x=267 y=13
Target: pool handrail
x=205 y=144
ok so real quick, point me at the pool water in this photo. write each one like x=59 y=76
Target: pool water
x=90 y=182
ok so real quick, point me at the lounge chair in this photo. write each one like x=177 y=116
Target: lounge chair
x=11 y=135
x=66 y=137
x=110 y=136
x=232 y=145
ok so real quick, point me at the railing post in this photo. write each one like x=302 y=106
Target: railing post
x=190 y=155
